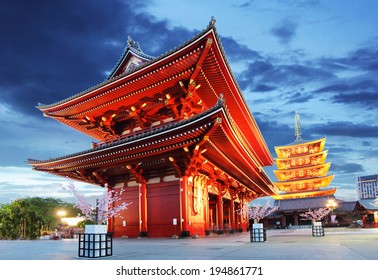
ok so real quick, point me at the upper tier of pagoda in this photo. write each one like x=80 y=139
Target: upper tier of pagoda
x=302 y=170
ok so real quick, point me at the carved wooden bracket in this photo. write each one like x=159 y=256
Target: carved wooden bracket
x=137 y=172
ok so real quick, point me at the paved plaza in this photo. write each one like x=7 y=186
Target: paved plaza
x=287 y=244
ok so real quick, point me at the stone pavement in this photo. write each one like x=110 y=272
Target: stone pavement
x=286 y=244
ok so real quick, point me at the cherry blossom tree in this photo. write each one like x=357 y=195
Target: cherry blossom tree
x=102 y=210
x=258 y=212
x=316 y=214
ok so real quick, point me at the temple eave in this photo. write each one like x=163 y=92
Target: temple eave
x=300 y=143
x=305 y=194
x=169 y=144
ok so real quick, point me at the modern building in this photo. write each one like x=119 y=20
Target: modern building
x=175 y=137
x=367 y=186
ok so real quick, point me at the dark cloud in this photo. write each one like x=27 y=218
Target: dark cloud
x=266 y=75
x=347 y=168
x=244 y=5
x=252 y=76
x=367 y=143
x=299 y=73
x=48 y=54
x=298 y=97
x=372 y=67
x=56 y=49
x=358 y=90
x=365 y=58
x=284 y=30
x=365 y=99
x=345 y=128
x=361 y=93
x=238 y=52
x=334 y=88
x=260 y=67
x=263 y=88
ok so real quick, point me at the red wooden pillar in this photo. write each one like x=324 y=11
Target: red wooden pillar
x=296 y=219
x=232 y=214
x=143 y=208
x=244 y=217
x=185 y=230
x=239 y=217
x=206 y=209
x=283 y=220
x=220 y=211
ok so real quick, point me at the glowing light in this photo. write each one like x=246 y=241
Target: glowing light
x=331 y=204
x=61 y=213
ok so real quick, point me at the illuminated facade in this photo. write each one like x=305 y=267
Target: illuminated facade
x=302 y=168
x=175 y=137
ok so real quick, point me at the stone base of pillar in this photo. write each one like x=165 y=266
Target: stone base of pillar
x=185 y=233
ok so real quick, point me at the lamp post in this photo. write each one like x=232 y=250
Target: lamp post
x=332 y=204
x=57 y=232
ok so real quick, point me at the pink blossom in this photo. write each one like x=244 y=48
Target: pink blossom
x=316 y=214
x=258 y=212
x=103 y=206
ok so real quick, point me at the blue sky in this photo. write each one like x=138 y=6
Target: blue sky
x=319 y=57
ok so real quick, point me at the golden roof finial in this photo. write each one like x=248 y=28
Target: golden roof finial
x=298 y=131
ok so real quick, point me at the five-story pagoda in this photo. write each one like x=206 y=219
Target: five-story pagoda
x=302 y=168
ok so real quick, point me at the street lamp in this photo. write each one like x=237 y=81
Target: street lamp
x=331 y=204
x=61 y=213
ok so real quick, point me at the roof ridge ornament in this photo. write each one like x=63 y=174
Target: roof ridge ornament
x=131 y=44
x=212 y=22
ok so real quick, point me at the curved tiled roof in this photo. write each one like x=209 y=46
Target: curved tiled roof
x=46 y=106
x=135 y=136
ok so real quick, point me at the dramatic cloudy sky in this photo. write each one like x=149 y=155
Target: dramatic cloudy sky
x=319 y=57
